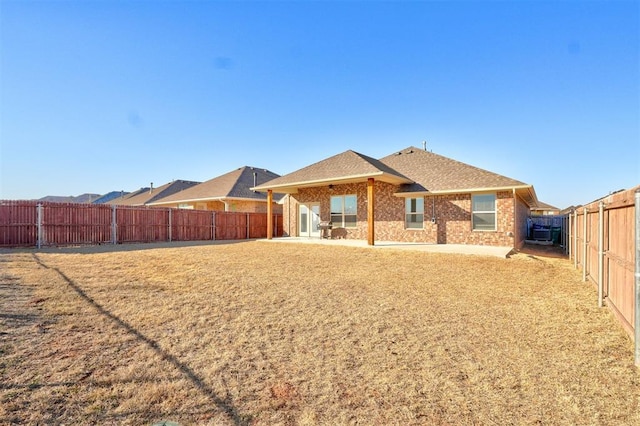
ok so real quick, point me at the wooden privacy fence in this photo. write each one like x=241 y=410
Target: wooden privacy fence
x=38 y=224
x=603 y=243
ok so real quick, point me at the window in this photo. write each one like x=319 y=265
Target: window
x=414 y=213
x=343 y=211
x=483 y=215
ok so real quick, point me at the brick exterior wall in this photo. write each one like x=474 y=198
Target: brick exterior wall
x=452 y=216
x=522 y=213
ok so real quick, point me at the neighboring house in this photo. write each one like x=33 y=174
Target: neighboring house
x=229 y=192
x=109 y=196
x=544 y=209
x=80 y=199
x=146 y=196
x=409 y=196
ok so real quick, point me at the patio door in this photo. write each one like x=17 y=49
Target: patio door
x=309 y=220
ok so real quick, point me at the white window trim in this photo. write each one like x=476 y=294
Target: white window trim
x=494 y=211
x=343 y=224
x=407 y=213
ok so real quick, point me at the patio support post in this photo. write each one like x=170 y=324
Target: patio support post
x=370 y=212
x=269 y=214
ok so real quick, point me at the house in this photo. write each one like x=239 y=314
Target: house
x=228 y=192
x=544 y=209
x=109 y=196
x=146 y=196
x=79 y=199
x=409 y=196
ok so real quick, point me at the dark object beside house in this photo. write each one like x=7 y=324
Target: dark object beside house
x=541 y=233
x=325 y=228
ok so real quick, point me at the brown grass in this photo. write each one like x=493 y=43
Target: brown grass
x=259 y=333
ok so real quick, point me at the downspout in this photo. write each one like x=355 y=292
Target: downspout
x=226 y=205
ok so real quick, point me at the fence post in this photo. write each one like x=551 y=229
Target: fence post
x=170 y=225
x=600 y=252
x=247 y=226
x=569 y=234
x=114 y=225
x=637 y=283
x=584 y=244
x=213 y=226
x=39 y=225
x=575 y=238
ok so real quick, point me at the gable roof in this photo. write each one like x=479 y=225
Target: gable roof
x=415 y=170
x=149 y=195
x=347 y=167
x=233 y=185
x=435 y=173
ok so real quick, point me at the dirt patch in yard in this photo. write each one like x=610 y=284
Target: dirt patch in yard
x=261 y=334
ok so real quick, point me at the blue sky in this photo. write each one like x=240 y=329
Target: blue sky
x=99 y=96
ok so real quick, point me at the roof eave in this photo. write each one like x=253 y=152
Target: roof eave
x=292 y=187
x=201 y=200
x=527 y=188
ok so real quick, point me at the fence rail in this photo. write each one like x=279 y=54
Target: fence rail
x=38 y=224
x=602 y=243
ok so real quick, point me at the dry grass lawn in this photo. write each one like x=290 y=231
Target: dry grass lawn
x=259 y=333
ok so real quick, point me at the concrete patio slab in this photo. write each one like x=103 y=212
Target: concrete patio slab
x=502 y=252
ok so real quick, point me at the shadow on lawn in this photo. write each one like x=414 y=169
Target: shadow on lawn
x=121 y=247
x=197 y=381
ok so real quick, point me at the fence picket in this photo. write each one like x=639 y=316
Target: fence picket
x=602 y=245
x=24 y=224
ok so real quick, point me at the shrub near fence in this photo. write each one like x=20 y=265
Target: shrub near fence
x=37 y=224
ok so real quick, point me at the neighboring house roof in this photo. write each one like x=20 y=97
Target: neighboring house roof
x=126 y=195
x=149 y=195
x=234 y=185
x=544 y=206
x=79 y=199
x=110 y=196
x=415 y=170
x=346 y=167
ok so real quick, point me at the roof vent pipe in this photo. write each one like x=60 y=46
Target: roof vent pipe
x=255 y=179
x=424 y=145
x=151 y=188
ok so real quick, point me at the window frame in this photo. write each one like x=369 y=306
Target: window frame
x=416 y=213
x=474 y=226
x=343 y=223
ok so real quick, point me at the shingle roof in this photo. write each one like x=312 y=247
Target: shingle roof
x=414 y=170
x=150 y=195
x=349 y=166
x=434 y=173
x=235 y=184
x=544 y=206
